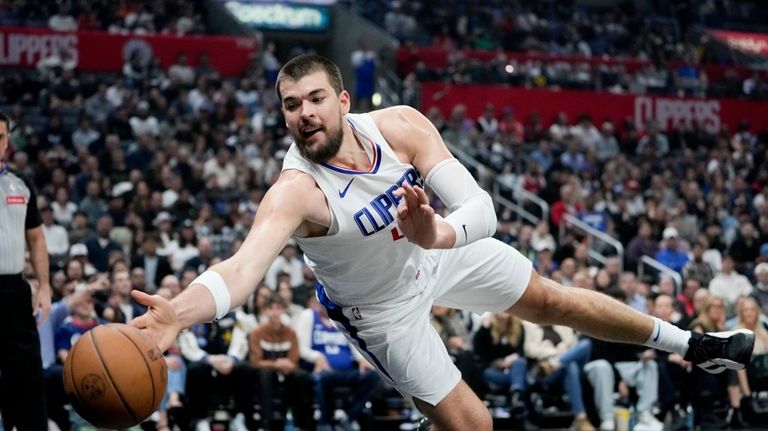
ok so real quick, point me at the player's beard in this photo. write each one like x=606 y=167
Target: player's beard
x=323 y=152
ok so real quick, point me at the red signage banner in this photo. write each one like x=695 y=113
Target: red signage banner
x=105 y=52
x=667 y=111
x=752 y=43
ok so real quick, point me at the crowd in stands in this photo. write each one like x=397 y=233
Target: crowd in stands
x=624 y=29
x=686 y=78
x=675 y=59
x=174 y=17
x=148 y=177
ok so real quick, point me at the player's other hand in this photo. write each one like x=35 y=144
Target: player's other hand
x=159 y=322
x=415 y=218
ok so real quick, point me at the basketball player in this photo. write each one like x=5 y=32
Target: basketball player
x=351 y=194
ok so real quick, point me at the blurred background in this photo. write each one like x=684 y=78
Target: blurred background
x=624 y=143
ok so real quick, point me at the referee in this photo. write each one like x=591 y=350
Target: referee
x=22 y=397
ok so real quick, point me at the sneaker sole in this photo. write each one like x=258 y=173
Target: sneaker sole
x=741 y=355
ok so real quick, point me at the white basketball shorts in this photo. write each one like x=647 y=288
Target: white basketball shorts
x=397 y=337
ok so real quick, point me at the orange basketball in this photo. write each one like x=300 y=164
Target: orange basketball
x=115 y=376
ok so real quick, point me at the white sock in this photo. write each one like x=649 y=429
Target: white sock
x=668 y=337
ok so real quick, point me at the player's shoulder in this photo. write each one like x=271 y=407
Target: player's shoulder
x=294 y=182
x=403 y=126
x=400 y=115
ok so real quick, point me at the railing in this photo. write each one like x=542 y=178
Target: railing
x=655 y=264
x=389 y=86
x=484 y=173
x=522 y=212
x=569 y=221
x=485 y=179
x=522 y=196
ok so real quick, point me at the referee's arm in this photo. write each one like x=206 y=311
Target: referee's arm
x=38 y=254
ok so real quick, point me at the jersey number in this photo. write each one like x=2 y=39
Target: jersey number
x=396 y=234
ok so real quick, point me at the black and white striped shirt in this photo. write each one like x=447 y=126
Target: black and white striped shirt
x=18 y=213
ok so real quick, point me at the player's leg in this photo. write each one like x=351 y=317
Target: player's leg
x=398 y=339
x=587 y=311
x=595 y=314
x=461 y=409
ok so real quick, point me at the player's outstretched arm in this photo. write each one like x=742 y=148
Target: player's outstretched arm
x=228 y=284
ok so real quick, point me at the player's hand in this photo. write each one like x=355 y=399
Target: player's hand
x=42 y=301
x=159 y=322
x=415 y=218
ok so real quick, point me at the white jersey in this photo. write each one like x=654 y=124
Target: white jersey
x=363 y=259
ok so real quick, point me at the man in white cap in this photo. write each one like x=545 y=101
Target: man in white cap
x=670 y=254
x=80 y=252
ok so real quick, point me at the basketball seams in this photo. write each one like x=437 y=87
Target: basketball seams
x=149 y=369
x=109 y=375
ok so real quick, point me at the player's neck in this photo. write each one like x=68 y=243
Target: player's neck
x=351 y=154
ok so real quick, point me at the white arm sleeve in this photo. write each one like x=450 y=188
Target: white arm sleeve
x=472 y=216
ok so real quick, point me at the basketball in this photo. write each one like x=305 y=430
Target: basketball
x=115 y=376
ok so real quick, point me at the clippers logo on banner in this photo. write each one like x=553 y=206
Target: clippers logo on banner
x=101 y=51
x=752 y=43
x=28 y=48
x=667 y=111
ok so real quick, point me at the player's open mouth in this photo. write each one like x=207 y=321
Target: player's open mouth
x=306 y=133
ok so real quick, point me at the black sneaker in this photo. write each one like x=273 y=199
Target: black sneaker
x=716 y=352
x=424 y=425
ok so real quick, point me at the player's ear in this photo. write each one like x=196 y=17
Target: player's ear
x=345 y=102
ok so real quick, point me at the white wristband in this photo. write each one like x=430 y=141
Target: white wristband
x=215 y=284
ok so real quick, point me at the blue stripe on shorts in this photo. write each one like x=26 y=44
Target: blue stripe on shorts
x=335 y=313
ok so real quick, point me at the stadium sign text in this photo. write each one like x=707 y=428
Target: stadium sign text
x=669 y=112
x=280 y=16
x=26 y=49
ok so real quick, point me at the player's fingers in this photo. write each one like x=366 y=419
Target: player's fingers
x=421 y=194
x=147 y=299
x=402 y=211
x=140 y=322
x=411 y=198
x=402 y=193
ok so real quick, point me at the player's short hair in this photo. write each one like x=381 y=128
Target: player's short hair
x=305 y=64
